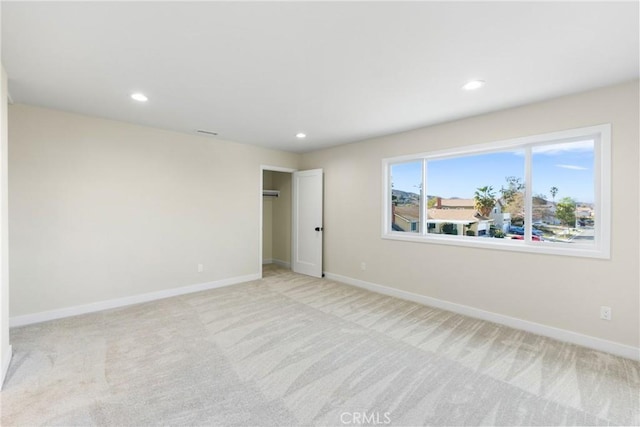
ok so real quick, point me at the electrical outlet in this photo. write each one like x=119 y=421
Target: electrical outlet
x=363 y=266
x=605 y=312
x=200 y=268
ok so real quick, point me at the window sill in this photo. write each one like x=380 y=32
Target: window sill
x=509 y=245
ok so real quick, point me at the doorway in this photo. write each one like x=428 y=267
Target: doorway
x=276 y=218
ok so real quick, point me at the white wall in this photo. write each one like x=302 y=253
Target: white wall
x=101 y=210
x=561 y=292
x=5 y=347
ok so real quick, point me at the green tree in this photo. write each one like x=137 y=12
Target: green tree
x=553 y=191
x=513 y=199
x=485 y=200
x=449 y=228
x=516 y=208
x=566 y=211
x=514 y=186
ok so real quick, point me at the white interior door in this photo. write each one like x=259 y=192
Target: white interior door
x=307 y=222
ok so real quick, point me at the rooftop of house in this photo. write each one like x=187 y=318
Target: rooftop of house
x=408 y=212
x=412 y=213
x=455 y=203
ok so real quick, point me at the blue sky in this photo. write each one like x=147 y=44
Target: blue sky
x=569 y=167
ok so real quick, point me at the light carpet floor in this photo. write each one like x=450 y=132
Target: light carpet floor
x=290 y=350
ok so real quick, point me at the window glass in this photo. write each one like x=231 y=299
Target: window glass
x=406 y=188
x=546 y=193
x=475 y=195
x=563 y=203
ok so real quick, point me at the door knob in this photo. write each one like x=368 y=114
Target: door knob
x=318 y=228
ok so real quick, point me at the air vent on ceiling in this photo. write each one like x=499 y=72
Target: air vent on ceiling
x=207 y=132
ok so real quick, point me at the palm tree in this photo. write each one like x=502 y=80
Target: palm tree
x=485 y=200
x=553 y=191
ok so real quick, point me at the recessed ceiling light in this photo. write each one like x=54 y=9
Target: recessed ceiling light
x=139 y=97
x=301 y=135
x=473 y=85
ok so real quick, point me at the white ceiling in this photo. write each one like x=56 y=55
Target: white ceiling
x=261 y=72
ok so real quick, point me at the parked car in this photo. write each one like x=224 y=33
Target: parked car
x=520 y=231
x=534 y=238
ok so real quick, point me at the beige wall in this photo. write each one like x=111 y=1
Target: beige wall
x=562 y=292
x=5 y=348
x=101 y=209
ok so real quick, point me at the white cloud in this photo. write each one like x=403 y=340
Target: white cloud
x=554 y=149
x=572 y=167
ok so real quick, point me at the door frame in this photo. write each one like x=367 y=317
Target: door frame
x=261 y=231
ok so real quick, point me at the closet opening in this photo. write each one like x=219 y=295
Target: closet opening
x=276 y=220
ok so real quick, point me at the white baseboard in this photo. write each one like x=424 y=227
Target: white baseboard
x=44 y=316
x=281 y=263
x=6 y=360
x=513 y=322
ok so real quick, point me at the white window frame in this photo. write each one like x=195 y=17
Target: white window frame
x=601 y=248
